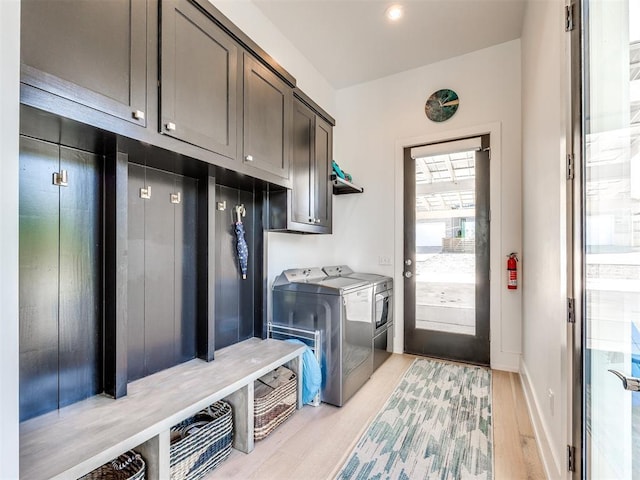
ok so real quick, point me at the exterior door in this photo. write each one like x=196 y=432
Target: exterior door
x=608 y=239
x=446 y=244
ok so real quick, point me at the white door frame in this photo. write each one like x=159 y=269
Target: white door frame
x=500 y=359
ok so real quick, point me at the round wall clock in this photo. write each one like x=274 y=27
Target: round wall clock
x=441 y=105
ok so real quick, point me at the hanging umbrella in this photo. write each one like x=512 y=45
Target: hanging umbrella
x=241 y=243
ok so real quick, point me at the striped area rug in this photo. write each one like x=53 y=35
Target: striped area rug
x=435 y=425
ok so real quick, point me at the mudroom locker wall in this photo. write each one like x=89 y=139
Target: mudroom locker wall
x=237 y=309
x=162 y=270
x=128 y=261
x=60 y=209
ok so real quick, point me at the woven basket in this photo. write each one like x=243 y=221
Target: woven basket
x=201 y=442
x=275 y=398
x=128 y=466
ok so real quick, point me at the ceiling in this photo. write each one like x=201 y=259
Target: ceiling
x=351 y=41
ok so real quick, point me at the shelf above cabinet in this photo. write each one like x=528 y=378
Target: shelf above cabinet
x=343 y=187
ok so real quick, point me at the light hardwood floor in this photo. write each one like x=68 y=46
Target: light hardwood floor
x=315 y=441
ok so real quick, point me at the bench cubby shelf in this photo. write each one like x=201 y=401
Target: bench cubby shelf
x=72 y=441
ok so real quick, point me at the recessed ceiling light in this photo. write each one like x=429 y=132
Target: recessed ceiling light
x=394 y=12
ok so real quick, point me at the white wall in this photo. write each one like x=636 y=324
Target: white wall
x=543 y=211
x=378 y=118
x=9 y=120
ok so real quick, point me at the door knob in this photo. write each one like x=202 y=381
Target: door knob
x=629 y=383
x=408 y=274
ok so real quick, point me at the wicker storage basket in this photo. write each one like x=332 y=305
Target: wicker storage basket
x=201 y=443
x=275 y=397
x=128 y=466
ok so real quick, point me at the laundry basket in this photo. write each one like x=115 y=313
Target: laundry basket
x=275 y=398
x=128 y=466
x=200 y=443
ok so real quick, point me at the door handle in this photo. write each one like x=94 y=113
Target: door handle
x=629 y=383
x=408 y=274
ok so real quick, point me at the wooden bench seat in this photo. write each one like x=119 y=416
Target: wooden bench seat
x=74 y=440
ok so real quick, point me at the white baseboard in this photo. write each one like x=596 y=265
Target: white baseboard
x=505 y=361
x=552 y=465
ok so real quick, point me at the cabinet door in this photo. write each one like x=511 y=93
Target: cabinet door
x=323 y=199
x=93 y=53
x=199 y=73
x=267 y=119
x=302 y=164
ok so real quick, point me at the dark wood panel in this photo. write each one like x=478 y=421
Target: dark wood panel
x=135 y=273
x=159 y=267
x=199 y=72
x=261 y=283
x=93 y=53
x=80 y=307
x=228 y=275
x=116 y=275
x=186 y=268
x=323 y=199
x=268 y=104
x=206 y=268
x=235 y=305
x=247 y=292
x=38 y=283
x=302 y=163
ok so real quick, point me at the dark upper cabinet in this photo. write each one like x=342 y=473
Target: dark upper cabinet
x=307 y=207
x=199 y=74
x=267 y=116
x=323 y=200
x=93 y=53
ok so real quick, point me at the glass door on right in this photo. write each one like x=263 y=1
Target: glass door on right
x=611 y=237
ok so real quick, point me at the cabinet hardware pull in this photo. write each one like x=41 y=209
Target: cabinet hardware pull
x=60 y=178
x=249 y=158
x=170 y=126
x=145 y=192
x=138 y=115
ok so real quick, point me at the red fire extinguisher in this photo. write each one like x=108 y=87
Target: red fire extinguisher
x=512 y=271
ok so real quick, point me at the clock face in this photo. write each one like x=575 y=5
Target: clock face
x=441 y=105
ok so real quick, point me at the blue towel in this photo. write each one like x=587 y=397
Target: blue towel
x=337 y=169
x=311 y=373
